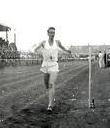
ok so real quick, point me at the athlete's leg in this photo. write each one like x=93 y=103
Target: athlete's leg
x=99 y=63
x=46 y=80
x=52 y=80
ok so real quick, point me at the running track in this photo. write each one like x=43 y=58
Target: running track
x=21 y=86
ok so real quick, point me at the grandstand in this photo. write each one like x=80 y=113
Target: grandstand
x=8 y=51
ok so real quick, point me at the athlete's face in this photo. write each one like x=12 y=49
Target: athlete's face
x=51 y=33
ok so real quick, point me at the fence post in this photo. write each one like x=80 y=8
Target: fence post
x=89 y=100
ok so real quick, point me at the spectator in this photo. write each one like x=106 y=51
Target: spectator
x=101 y=60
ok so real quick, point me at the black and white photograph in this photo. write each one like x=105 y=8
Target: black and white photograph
x=54 y=64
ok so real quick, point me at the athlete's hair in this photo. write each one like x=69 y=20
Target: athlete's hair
x=50 y=28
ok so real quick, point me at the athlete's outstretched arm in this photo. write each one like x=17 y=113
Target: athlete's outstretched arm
x=62 y=47
x=41 y=45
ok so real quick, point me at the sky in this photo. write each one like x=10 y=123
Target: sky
x=77 y=22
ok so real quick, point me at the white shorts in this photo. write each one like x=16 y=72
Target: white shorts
x=48 y=67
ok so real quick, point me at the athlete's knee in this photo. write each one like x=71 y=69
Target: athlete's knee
x=46 y=80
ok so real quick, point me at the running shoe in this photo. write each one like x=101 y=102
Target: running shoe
x=49 y=108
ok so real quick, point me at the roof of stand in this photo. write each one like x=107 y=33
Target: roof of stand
x=4 y=28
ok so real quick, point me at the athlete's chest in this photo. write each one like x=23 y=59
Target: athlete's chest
x=50 y=47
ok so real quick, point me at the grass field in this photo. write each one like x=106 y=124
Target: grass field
x=23 y=98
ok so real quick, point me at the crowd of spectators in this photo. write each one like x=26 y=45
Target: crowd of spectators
x=8 y=53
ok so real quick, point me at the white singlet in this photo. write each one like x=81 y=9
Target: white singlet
x=50 y=58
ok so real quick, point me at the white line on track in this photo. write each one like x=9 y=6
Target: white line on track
x=27 y=87
x=59 y=85
x=12 y=94
x=26 y=75
x=35 y=77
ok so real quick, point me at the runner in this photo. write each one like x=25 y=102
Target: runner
x=50 y=66
x=101 y=59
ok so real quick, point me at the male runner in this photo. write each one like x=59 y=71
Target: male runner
x=50 y=66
